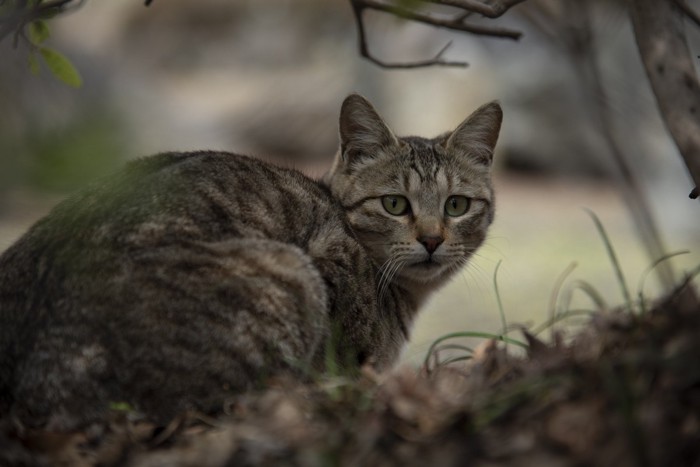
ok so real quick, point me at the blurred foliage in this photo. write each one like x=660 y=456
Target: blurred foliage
x=58 y=64
x=64 y=158
x=55 y=140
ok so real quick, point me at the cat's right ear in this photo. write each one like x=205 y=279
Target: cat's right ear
x=362 y=130
x=477 y=135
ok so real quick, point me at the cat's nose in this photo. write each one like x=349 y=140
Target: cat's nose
x=431 y=243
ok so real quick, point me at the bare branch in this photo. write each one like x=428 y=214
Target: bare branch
x=688 y=10
x=489 y=10
x=364 y=49
x=454 y=23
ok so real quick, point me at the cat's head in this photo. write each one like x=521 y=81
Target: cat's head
x=420 y=206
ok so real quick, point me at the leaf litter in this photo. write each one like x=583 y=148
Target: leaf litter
x=623 y=391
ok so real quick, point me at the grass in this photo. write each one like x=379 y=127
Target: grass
x=613 y=259
x=559 y=306
x=645 y=275
x=435 y=347
x=501 y=311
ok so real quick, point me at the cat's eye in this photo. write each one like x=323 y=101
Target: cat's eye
x=395 y=205
x=456 y=205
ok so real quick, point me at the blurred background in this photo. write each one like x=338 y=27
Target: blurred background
x=267 y=79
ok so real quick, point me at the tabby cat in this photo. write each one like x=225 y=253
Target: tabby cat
x=188 y=277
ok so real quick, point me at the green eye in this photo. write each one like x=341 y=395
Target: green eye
x=395 y=205
x=456 y=206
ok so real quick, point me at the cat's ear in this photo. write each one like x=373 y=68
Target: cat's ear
x=477 y=135
x=362 y=130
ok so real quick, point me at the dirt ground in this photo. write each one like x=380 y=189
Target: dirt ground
x=624 y=391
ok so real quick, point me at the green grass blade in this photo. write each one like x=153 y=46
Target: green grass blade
x=501 y=312
x=462 y=348
x=436 y=352
x=554 y=297
x=456 y=359
x=476 y=334
x=586 y=288
x=645 y=275
x=613 y=258
x=560 y=317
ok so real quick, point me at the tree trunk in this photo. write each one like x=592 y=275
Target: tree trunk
x=660 y=34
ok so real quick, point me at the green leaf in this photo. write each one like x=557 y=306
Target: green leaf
x=61 y=67
x=33 y=63
x=38 y=32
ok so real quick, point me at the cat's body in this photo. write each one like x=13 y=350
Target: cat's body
x=189 y=277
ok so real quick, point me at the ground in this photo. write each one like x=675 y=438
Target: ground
x=624 y=390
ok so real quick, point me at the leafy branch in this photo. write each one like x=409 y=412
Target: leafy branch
x=26 y=20
x=15 y=16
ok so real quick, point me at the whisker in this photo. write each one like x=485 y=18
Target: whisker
x=389 y=277
x=397 y=262
x=384 y=275
x=381 y=268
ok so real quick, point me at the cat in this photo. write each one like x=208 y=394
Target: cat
x=188 y=277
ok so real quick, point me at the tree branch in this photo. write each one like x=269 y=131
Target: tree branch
x=455 y=23
x=489 y=10
x=24 y=14
x=660 y=35
x=688 y=10
x=364 y=49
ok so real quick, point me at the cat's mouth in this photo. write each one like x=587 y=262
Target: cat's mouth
x=424 y=271
x=427 y=264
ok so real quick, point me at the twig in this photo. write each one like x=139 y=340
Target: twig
x=491 y=11
x=364 y=49
x=455 y=23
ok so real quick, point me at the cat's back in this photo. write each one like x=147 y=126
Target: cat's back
x=177 y=197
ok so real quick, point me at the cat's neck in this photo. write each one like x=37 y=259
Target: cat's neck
x=418 y=292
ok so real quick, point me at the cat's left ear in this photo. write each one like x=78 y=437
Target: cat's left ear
x=477 y=135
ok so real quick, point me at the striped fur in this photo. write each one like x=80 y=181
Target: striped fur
x=189 y=277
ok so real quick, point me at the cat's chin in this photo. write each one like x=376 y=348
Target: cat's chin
x=425 y=272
